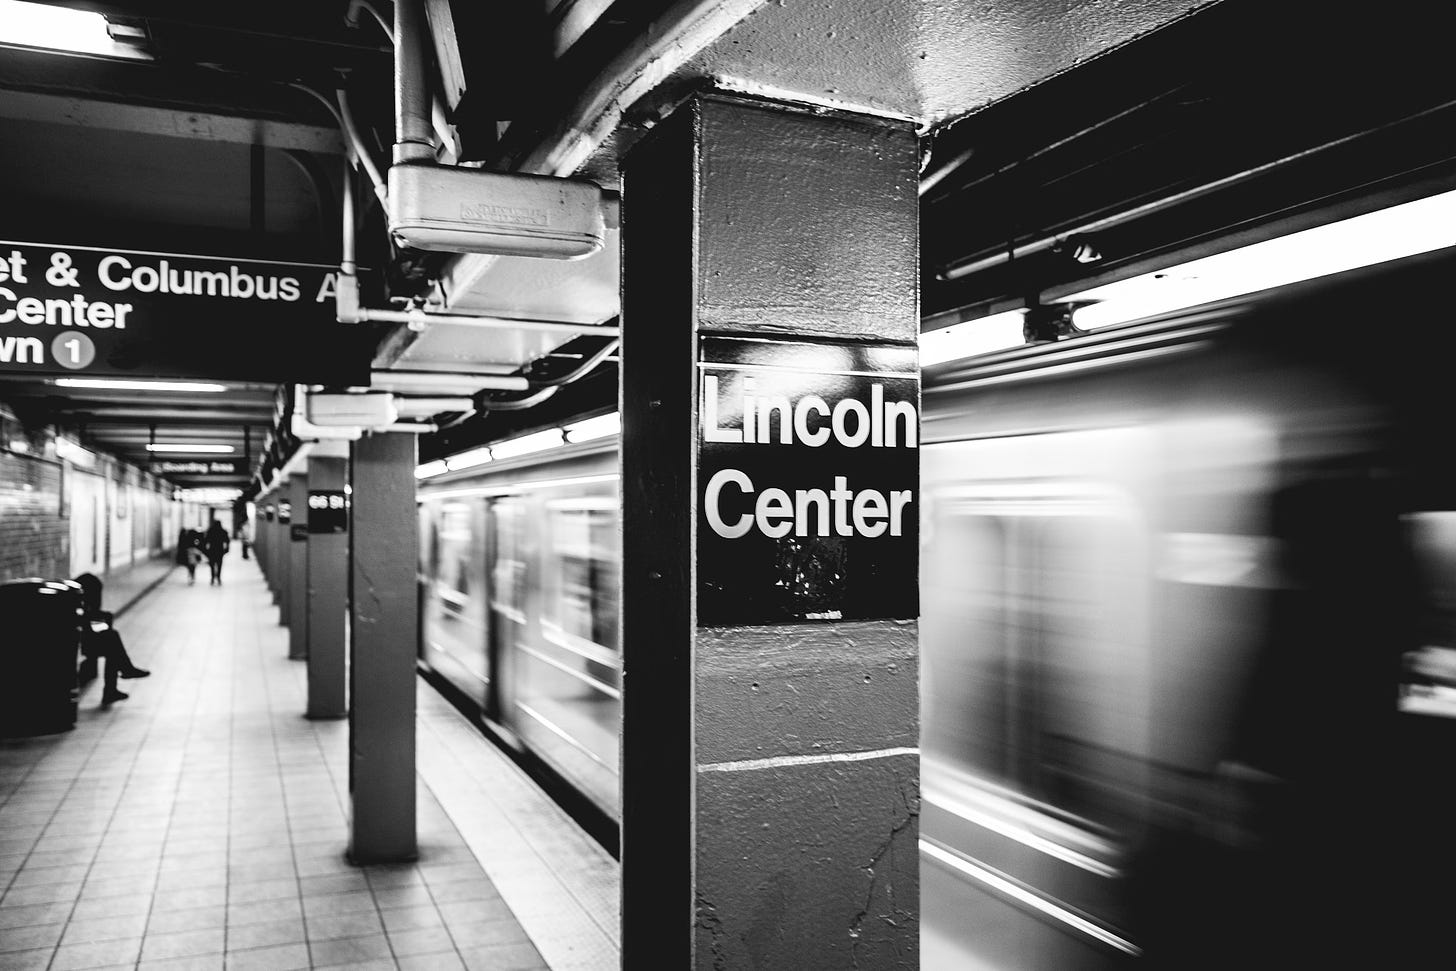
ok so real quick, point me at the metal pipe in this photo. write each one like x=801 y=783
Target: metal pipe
x=413 y=131
x=347 y=265
x=421 y=320
x=417 y=427
x=521 y=404
x=935 y=178
x=351 y=16
x=438 y=116
x=445 y=381
x=351 y=134
x=682 y=31
x=424 y=407
x=346 y=118
x=580 y=370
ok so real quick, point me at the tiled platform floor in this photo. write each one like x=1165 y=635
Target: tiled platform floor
x=202 y=824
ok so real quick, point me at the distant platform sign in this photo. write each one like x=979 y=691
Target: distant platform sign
x=74 y=310
x=808 y=471
x=230 y=467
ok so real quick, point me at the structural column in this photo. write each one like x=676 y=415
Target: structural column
x=770 y=491
x=264 y=525
x=383 y=630
x=277 y=552
x=328 y=583
x=293 y=526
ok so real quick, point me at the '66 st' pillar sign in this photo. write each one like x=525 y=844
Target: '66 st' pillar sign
x=807 y=478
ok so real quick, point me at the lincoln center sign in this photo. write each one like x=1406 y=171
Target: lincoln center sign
x=808 y=474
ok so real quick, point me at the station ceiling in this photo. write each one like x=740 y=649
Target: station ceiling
x=213 y=137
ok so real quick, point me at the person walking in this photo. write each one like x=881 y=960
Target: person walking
x=189 y=552
x=215 y=545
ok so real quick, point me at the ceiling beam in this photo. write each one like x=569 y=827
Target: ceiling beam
x=173 y=122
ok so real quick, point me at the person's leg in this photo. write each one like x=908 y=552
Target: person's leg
x=105 y=647
x=117 y=659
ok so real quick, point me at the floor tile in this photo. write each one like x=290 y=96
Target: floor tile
x=88 y=931
x=191 y=919
x=358 y=924
x=447 y=961
x=182 y=944
x=27 y=938
x=422 y=940
x=349 y=950
x=521 y=957
x=73 y=957
x=266 y=934
x=286 y=957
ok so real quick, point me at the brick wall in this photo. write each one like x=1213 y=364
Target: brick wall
x=35 y=527
x=34 y=537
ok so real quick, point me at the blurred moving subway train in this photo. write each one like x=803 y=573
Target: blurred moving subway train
x=1187 y=592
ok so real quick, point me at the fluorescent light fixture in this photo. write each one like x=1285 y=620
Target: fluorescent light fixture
x=981 y=336
x=526 y=444
x=108 y=384
x=189 y=449
x=593 y=428
x=208 y=496
x=74 y=453
x=468 y=460
x=60 y=29
x=431 y=469
x=1375 y=237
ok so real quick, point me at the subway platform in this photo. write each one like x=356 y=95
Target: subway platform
x=202 y=824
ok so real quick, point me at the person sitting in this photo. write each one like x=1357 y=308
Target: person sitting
x=100 y=639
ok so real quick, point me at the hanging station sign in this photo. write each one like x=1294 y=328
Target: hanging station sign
x=808 y=479
x=229 y=467
x=74 y=311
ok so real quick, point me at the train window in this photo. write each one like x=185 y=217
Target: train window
x=582 y=572
x=508 y=565
x=1429 y=670
x=455 y=622
x=1036 y=582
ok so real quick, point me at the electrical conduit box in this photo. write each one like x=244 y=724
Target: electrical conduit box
x=460 y=210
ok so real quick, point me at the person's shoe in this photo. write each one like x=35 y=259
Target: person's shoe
x=136 y=673
x=107 y=697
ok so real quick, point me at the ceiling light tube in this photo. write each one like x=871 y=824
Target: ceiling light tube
x=983 y=335
x=189 y=449
x=59 y=29
x=589 y=429
x=109 y=384
x=1376 y=237
x=431 y=469
x=526 y=444
x=468 y=460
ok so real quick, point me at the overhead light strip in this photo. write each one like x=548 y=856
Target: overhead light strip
x=60 y=29
x=117 y=384
x=984 y=335
x=189 y=449
x=1408 y=229
x=586 y=430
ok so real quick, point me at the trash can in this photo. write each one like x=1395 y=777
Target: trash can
x=40 y=642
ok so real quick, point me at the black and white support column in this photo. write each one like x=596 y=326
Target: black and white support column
x=770 y=489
